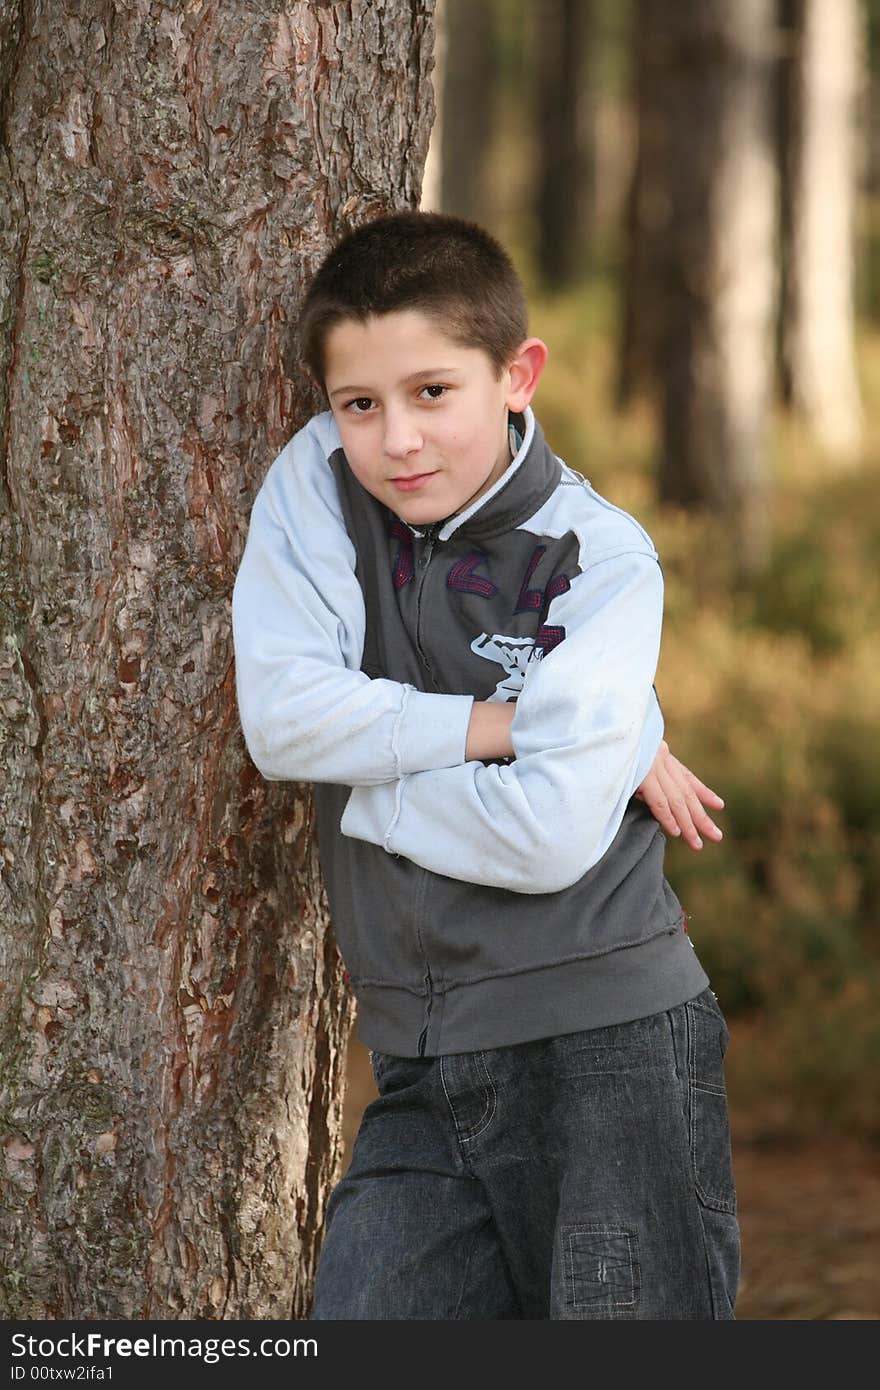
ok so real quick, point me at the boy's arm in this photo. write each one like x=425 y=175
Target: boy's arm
x=308 y=713
x=585 y=733
x=673 y=794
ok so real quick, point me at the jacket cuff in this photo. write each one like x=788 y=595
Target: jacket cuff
x=432 y=731
x=371 y=813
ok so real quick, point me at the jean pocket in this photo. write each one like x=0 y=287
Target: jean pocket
x=709 y=1122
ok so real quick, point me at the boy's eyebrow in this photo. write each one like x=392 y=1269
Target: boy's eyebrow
x=429 y=373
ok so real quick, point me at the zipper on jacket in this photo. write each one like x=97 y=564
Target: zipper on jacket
x=430 y=538
x=429 y=983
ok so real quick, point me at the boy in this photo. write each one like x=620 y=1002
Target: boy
x=455 y=638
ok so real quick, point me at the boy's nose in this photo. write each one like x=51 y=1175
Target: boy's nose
x=402 y=435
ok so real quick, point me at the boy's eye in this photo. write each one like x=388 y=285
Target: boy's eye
x=360 y=405
x=435 y=391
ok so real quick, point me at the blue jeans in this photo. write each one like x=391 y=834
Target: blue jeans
x=576 y=1177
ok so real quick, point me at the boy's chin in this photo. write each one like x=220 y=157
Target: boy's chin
x=419 y=514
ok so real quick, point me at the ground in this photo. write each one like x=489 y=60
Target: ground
x=810 y=1221
x=809 y=1216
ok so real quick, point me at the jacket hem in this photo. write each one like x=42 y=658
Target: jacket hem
x=503 y=1010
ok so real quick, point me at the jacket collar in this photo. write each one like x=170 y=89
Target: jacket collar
x=524 y=486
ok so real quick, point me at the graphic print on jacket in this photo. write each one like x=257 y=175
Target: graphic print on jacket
x=451 y=619
x=513 y=655
x=440 y=963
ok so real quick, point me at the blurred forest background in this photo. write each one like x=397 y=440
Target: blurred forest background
x=691 y=189
x=692 y=192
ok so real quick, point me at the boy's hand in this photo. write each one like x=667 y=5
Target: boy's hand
x=676 y=798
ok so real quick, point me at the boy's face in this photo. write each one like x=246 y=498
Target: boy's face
x=423 y=420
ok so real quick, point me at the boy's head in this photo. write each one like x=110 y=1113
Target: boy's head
x=451 y=270
x=415 y=325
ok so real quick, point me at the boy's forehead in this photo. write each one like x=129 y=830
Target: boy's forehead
x=405 y=338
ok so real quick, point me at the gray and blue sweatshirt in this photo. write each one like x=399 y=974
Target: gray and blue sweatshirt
x=475 y=904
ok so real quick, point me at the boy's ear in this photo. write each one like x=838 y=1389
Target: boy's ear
x=524 y=371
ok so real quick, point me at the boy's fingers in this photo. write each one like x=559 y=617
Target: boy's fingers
x=681 y=811
x=706 y=794
x=690 y=779
x=677 y=800
x=698 y=801
x=701 y=818
x=707 y=825
x=693 y=818
x=657 y=802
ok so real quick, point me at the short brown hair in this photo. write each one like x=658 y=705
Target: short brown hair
x=452 y=270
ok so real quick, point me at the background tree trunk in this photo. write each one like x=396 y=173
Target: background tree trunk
x=647 y=210
x=563 y=99
x=466 y=107
x=867 y=220
x=819 y=159
x=716 y=363
x=433 y=171
x=173 y=1020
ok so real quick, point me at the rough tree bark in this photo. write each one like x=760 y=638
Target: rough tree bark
x=820 y=95
x=173 y=1020
x=716 y=354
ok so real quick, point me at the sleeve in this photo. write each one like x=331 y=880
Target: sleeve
x=586 y=730
x=307 y=711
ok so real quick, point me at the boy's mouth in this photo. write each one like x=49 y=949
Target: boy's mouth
x=413 y=482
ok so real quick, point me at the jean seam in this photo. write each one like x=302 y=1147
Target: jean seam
x=674 y=1043
x=708 y=1200
x=710 y=1088
x=691 y=1071
x=488 y=1114
x=487 y=1222
x=491 y=1106
x=713 y=1011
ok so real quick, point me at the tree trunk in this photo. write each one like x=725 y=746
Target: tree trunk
x=431 y=199
x=563 y=182
x=717 y=349
x=466 y=108
x=868 y=221
x=647 y=212
x=174 y=1021
x=819 y=159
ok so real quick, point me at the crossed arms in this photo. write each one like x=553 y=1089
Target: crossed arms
x=674 y=795
x=582 y=746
